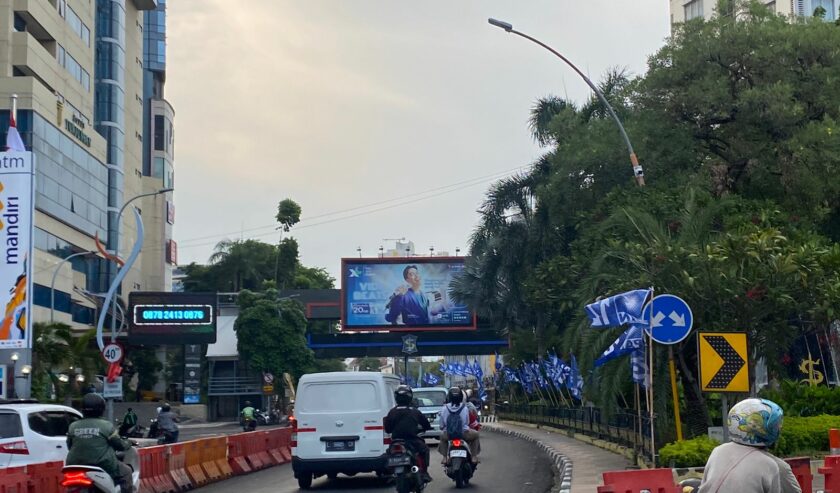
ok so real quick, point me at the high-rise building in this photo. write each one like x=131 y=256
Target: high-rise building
x=78 y=68
x=683 y=10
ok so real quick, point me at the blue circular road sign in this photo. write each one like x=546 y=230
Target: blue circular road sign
x=670 y=319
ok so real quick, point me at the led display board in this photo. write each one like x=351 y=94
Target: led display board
x=172 y=318
x=402 y=294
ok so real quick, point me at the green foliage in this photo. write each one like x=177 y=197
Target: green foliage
x=688 y=453
x=797 y=399
x=369 y=364
x=805 y=435
x=288 y=214
x=57 y=350
x=270 y=334
x=145 y=362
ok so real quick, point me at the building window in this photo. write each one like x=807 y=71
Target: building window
x=693 y=9
x=159 y=133
x=828 y=5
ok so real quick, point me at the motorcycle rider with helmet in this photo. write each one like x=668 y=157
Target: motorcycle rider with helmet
x=404 y=422
x=456 y=405
x=744 y=464
x=168 y=424
x=93 y=441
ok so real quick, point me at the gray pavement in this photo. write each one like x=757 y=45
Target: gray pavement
x=588 y=461
x=508 y=465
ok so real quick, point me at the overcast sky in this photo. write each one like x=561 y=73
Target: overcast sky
x=382 y=119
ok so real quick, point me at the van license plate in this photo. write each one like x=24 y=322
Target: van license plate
x=341 y=446
x=458 y=453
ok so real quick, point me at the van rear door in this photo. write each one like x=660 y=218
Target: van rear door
x=340 y=420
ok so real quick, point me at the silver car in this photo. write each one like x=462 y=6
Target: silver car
x=429 y=401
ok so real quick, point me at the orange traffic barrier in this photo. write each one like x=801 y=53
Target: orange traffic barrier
x=14 y=480
x=154 y=470
x=193 y=462
x=209 y=452
x=220 y=446
x=834 y=441
x=176 y=462
x=260 y=449
x=45 y=477
x=652 y=480
x=831 y=472
x=801 y=467
x=237 y=453
x=275 y=444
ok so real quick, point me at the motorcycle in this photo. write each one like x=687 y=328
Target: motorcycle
x=404 y=464
x=135 y=431
x=92 y=479
x=249 y=424
x=154 y=429
x=261 y=418
x=167 y=437
x=459 y=466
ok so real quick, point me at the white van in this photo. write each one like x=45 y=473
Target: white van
x=338 y=425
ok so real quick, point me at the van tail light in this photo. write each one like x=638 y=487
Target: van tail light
x=294 y=424
x=76 y=478
x=456 y=442
x=18 y=448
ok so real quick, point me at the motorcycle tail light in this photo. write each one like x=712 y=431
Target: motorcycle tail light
x=76 y=479
x=397 y=448
x=456 y=442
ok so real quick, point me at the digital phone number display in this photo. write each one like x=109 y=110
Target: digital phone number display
x=173 y=314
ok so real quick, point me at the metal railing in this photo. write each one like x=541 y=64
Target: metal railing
x=621 y=428
x=233 y=385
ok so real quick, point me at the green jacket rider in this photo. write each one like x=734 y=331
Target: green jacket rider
x=93 y=441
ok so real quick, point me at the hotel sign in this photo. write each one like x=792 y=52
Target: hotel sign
x=75 y=127
x=16 y=227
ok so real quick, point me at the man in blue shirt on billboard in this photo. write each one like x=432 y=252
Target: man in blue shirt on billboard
x=409 y=302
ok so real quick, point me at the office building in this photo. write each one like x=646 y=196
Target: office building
x=79 y=70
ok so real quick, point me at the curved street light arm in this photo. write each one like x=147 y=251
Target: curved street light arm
x=637 y=168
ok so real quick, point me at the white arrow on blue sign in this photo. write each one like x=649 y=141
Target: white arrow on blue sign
x=671 y=320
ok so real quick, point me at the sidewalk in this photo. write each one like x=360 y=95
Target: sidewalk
x=588 y=461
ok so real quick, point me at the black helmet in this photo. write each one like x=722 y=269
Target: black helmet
x=403 y=395
x=456 y=396
x=93 y=406
x=165 y=408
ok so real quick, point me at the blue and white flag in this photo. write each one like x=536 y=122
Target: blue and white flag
x=510 y=375
x=630 y=340
x=638 y=367
x=477 y=372
x=431 y=379
x=621 y=309
x=575 y=381
x=499 y=362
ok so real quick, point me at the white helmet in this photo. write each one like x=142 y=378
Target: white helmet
x=755 y=422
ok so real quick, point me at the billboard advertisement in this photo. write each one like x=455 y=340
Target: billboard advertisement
x=402 y=294
x=171 y=318
x=16 y=227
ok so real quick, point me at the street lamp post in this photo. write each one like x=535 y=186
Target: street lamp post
x=117 y=245
x=15 y=357
x=634 y=161
x=55 y=274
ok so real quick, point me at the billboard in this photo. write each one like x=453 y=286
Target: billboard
x=16 y=227
x=402 y=294
x=171 y=318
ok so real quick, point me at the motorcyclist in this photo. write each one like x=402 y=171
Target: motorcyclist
x=456 y=405
x=93 y=441
x=129 y=421
x=247 y=413
x=404 y=422
x=744 y=464
x=168 y=423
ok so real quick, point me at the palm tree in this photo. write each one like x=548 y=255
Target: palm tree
x=56 y=350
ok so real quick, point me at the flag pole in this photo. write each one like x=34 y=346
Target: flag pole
x=639 y=437
x=13 y=106
x=650 y=383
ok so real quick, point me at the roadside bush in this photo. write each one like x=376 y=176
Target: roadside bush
x=805 y=435
x=688 y=453
x=803 y=400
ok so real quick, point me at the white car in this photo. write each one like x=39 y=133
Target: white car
x=31 y=433
x=430 y=401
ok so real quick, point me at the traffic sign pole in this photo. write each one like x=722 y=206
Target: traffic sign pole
x=672 y=366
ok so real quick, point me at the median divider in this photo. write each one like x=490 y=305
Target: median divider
x=193 y=462
x=45 y=477
x=209 y=451
x=177 y=462
x=237 y=454
x=154 y=470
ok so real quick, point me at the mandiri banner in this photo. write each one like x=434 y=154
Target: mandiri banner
x=16 y=257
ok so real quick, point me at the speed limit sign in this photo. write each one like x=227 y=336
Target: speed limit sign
x=113 y=353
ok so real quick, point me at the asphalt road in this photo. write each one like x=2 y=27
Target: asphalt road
x=508 y=464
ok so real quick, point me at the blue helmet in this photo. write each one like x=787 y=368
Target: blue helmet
x=755 y=422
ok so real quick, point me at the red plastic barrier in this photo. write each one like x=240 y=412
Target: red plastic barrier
x=237 y=454
x=259 y=445
x=194 y=470
x=278 y=445
x=801 y=467
x=209 y=454
x=834 y=441
x=45 y=477
x=653 y=480
x=14 y=480
x=831 y=471
x=154 y=470
x=176 y=464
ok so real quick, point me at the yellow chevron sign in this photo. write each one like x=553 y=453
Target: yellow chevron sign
x=724 y=361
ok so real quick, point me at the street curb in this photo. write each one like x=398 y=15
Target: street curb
x=562 y=465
